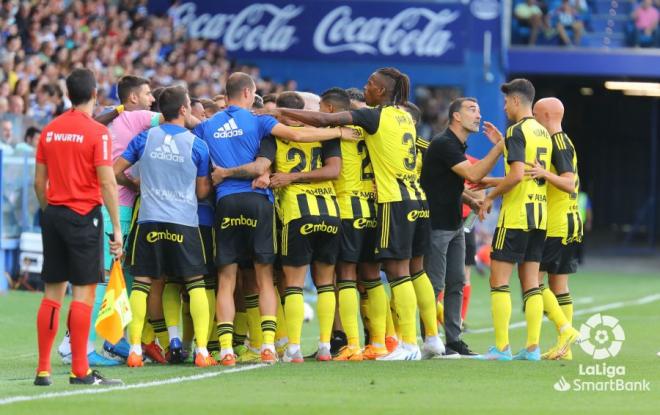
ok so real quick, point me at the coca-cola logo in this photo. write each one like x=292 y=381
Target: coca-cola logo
x=264 y=27
x=261 y=27
x=413 y=31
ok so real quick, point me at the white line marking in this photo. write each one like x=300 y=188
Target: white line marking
x=92 y=391
x=18 y=356
x=611 y=306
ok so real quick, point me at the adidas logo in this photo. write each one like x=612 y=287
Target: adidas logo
x=228 y=130
x=167 y=151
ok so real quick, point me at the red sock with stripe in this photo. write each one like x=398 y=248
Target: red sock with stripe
x=80 y=318
x=48 y=318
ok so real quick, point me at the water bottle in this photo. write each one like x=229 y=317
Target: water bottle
x=469 y=222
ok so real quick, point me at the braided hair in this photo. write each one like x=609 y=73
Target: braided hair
x=401 y=88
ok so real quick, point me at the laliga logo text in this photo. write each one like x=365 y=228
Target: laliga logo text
x=601 y=337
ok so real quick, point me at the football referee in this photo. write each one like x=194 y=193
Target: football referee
x=73 y=177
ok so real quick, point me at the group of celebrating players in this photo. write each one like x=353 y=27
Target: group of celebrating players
x=224 y=213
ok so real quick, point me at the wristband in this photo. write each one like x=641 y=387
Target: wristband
x=119 y=108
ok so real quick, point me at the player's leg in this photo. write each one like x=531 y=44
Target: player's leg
x=324 y=275
x=225 y=312
x=171 y=312
x=240 y=318
x=251 y=298
x=268 y=310
x=47 y=325
x=377 y=307
x=347 y=298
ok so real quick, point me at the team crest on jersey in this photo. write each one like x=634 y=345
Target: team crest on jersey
x=228 y=130
x=168 y=151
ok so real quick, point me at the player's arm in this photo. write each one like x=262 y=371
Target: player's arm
x=562 y=161
x=107 y=117
x=564 y=181
x=312 y=134
x=40 y=183
x=314 y=118
x=259 y=167
x=202 y=159
x=477 y=171
x=106 y=178
x=473 y=202
x=329 y=171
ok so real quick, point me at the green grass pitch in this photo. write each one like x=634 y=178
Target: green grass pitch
x=438 y=386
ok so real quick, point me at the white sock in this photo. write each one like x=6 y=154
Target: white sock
x=293 y=348
x=270 y=347
x=432 y=340
x=326 y=345
x=225 y=352
x=136 y=348
x=202 y=351
x=173 y=331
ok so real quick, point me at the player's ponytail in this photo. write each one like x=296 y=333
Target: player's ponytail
x=401 y=89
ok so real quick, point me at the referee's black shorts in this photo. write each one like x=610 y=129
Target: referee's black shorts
x=73 y=246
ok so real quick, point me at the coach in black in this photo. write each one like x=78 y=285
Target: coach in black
x=444 y=172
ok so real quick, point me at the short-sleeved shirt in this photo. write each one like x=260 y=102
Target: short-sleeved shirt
x=72 y=146
x=234 y=138
x=127 y=125
x=443 y=187
x=564 y=219
x=390 y=141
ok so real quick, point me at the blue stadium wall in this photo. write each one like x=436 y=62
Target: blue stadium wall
x=329 y=43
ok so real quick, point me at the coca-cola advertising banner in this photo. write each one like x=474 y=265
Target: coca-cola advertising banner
x=421 y=31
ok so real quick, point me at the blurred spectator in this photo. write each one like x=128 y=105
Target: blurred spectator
x=42 y=107
x=29 y=145
x=645 y=17
x=529 y=14
x=566 y=18
x=7 y=138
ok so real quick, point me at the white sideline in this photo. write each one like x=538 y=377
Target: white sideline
x=595 y=309
x=97 y=390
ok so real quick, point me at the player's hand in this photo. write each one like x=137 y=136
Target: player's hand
x=261 y=182
x=117 y=244
x=278 y=180
x=485 y=208
x=350 y=134
x=536 y=170
x=475 y=205
x=218 y=175
x=485 y=183
x=492 y=133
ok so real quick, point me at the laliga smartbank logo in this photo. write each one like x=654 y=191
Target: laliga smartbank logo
x=601 y=337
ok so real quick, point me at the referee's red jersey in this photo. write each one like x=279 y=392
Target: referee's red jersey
x=71 y=147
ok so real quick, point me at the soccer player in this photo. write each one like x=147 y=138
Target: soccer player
x=73 y=176
x=443 y=179
x=356 y=195
x=174 y=168
x=564 y=233
x=522 y=223
x=309 y=213
x=244 y=215
x=391 y=144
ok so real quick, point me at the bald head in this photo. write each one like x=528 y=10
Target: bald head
x=549 y=112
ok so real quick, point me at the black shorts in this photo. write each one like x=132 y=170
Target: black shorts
x=358 y=239
x=73 y=246
x=244 y=229
x=518 y=245
x=310 y=239
x=208 y=241
x=422 y=238
x=470 y=248
x=397 y=225
x=559 y=259
x=167 y=249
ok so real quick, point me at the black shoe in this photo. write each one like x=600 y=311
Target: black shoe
x=337 y=341
x=43 y=379
x=461 y=348
x=94 y=378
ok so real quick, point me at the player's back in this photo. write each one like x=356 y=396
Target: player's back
x=525 y=206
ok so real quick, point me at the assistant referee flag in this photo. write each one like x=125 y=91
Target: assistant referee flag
x=115 y=311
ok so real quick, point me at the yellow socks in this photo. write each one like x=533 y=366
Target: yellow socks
x=533 y=306
x=268 y=328
x=566 y=303
x=199 y=311
x=294 y=309
x=224 y=331
x=348 y=310
x=501 y=309
x=405 y=302
x=325 y=309
x=377 y=308
x=240 y=328
x=552 y=309
x=253 y=320
x=172 y=306
x=138 y=301
x=210 y=298
x=428 y=312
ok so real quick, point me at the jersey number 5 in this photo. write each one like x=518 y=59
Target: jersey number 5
x=540 y=152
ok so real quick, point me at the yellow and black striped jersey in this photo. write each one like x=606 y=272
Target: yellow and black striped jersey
x=391 y=144
x=311 y=198
x=563 y=214
x=525 y=206
x=355 y=186
x=421 y=145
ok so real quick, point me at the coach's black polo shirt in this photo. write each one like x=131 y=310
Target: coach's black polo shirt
x=442 y=186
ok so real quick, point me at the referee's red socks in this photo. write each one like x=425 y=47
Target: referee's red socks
x=80 y=317
x=48 y=318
